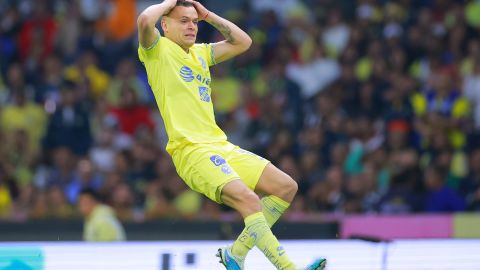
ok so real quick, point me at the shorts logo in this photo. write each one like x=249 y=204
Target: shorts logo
x=203 y=91
x=226 y=169
x=187 y=74
x=217 y=160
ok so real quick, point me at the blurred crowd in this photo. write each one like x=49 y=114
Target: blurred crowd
x=372 y=106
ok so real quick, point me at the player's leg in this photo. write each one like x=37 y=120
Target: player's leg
x=279 y=190
x=263 y=177
x=205 y=169
x=239 y=196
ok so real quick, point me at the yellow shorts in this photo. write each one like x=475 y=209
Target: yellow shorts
x=206 y=168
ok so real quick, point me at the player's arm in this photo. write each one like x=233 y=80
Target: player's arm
x=147 y=32
x=236 y=40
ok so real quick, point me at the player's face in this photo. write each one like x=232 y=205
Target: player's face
x=182 y=26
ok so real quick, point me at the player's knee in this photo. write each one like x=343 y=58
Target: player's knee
x=291 y=186
x=248 y=201
x=288 y=189
x=242 y=199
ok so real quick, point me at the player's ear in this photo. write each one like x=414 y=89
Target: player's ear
x=164 y=24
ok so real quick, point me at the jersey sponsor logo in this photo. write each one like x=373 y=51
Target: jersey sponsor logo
x=204 y=64
x=187 y=74
x=217 y=160
x=203 y=91
x=203 y=80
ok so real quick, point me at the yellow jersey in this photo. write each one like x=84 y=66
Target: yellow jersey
x=102 y=225
x=180 y=82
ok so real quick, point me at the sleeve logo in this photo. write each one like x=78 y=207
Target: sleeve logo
x=204 y=64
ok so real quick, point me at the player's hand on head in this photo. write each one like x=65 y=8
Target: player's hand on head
x=201 y=10
x=170 y=3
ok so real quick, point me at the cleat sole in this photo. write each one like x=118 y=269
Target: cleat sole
x=219 y=255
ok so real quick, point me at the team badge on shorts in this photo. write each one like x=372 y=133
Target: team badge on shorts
x=226 y=169
x=219 y=161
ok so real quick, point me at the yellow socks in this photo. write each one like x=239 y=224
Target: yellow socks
x=272 y=208
x=258 y=229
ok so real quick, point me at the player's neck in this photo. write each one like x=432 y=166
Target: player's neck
x=186 y=50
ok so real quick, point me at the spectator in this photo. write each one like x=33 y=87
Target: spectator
x=403 y=195
x=63 y=170
x=103 y=152
x=19 y=157
x=92 y=80
x=470 y=186
x=69 y=126
x=317 y=66
x=120 y=23
x=122 y=201
x=86 y=177
x=471 y=90
x=336 y=34
x=69 y=29
x=156 y=203
x=442 y=109
x=227 y=100
x=101 y=224
x=58 y=206
x=439 y=197
x=5 y=201
x=37 y=35
x=25 y=115
x=132 y=117
x=16 y=81
x=126 y=75
x=328 y=194
x=50 y=82
x=117 y=29
x=11 y=23
x=39 y=208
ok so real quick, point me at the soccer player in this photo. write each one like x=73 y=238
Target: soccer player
x=178 y=73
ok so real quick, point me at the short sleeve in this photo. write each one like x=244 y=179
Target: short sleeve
x=152 y=52
x=209 y=54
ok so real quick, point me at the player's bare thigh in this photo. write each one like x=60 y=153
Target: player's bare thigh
x=273 y=181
